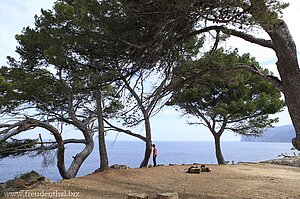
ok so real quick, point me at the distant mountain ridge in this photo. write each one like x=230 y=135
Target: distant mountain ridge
x=276 y=134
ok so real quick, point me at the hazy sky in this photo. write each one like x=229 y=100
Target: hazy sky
x=167 y=125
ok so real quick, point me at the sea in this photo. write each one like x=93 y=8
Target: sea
x=131 y=153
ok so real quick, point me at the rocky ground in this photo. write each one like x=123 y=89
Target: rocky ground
x=289 y=161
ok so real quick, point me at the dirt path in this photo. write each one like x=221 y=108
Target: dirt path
x=227 y=181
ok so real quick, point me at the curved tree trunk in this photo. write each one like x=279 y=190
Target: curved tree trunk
x=60 y=150
x=78 y=159
x=32 y=123
x=148 y=143
x=289 y=71
x=101 y=134
x=218 y=151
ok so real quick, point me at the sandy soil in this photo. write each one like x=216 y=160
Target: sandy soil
x=225 y=181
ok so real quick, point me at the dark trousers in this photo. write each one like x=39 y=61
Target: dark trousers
x=154 y=160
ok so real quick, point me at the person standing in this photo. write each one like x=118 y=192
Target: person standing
x=154 y=154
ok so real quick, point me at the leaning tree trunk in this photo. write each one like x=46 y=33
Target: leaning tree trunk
x=101 y=133
x=287 y=63
x=289 y=71
x=79 y=158
x=218 y=151
x=145 y=112
x=148 y=143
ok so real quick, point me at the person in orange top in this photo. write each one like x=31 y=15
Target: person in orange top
x=154 y=154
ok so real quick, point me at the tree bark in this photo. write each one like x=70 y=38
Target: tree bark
x=148 y=143
x=289 y=71
x=218 y=150
x=101 y=133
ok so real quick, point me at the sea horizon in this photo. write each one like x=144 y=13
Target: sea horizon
x=131 y=153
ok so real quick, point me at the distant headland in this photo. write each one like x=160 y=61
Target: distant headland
x=275 y=134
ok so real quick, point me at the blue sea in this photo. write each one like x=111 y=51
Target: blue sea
x=131 y=153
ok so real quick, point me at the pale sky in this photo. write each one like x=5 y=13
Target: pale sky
x=167 y=125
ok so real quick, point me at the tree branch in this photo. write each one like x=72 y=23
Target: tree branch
x=245 y=36
x=251 y=68
x=53 y=146
x=128 y=132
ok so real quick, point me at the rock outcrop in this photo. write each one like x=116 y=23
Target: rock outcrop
x=25 y=181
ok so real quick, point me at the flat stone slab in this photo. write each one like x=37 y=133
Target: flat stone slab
x=137 y=196
x=194 y=170
x=168 y=195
